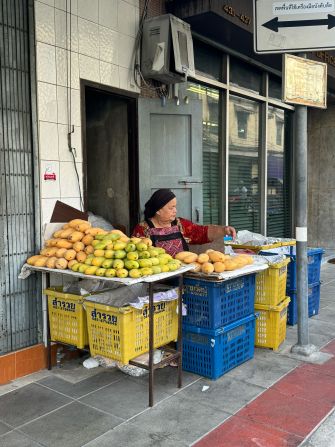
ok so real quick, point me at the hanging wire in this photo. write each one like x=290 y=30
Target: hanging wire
x=70 y=127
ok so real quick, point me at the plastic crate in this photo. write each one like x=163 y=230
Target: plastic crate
x=122 y=333
x=212 y=304
x=211 y=353
x=67 y=318
x=313 y=303
x=271 y=284
x=271 y=324
x=314 y=268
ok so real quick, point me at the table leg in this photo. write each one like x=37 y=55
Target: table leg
x=180 y=341
x=151 y=345
x=49 y=363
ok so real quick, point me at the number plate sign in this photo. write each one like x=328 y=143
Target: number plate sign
x=293 y=26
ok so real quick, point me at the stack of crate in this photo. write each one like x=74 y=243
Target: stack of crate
x=219 y=328
x=271 y=303
x=314 y=257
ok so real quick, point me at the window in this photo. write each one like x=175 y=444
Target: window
x=210 y=146
x=245 y=75
x=242 y=124
x=243 y=201
x=278 y=171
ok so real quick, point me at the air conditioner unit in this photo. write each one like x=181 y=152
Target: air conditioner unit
x=167 y=49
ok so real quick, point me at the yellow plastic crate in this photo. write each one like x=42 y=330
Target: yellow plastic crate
x=67 y=318
x=122 y=333
x=271 y=324
x=271 y=284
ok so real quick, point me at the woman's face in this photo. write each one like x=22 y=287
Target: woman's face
x=168 y=212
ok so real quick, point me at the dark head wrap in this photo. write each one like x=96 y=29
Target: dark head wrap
x=158 y=199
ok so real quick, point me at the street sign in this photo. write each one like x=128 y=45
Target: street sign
x=293 y=26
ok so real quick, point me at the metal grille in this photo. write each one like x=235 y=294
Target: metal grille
x=20 y=300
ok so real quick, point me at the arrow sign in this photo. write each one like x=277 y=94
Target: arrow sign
x=274 y=24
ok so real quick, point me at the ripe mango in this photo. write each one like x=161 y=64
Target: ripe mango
x=78 y=246
x=131 y=264
x=107 y=264
x=146 y=271
x=122 y=273
x=81 y=256
x=120 y=254
x=51 y=262
x=70 y=254
x=89 y=249
x=61 y=264
x=135 y=273
x=87 y=239
x=219 y=267
x=203 y=257
x=110 y=273
x=100 y=271
x=33 y=259
x=132 y=256
x=98 y=253
x=119 y=245
x=75 y=267
x=109 y=254
x=207 y=267
x=118 y=264
x=91 y=270
x=98 y=261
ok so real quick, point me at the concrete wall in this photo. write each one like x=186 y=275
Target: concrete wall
x=321 y=177
x=93 y=40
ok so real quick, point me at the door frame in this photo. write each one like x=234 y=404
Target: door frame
x=133 y=159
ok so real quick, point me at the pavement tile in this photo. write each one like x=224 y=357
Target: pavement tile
x=292 y=414
x=240 y=432
x=79 y=389
x=328 y=368
x=28 y=403
x=128 y=434
x=257 y=371
x=330 y=347
x=308 y=385
x=4 y=428
x=124 y=399
x=324 y=436
x=71 y=426
x=17 y=439
x=180 y=419
x=224 y=394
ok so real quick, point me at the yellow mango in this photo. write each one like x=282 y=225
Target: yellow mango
x=182 y=254
x=81 y=256
x=71 y=263
x=33 y=259
x=70 y=254
x=202 y=258
x=74 y=222
x=219 y=267
x=76 y=236
x=216 y=256
x=207 y=267
x=61 y=252
x=63 y=243
x=83 y=226
x=41 y=261
x=78 y=246
x=51 y=262
x=61 y=264
x=66 y=233
x=192 y=257
x=89 y=249
x=87 y=239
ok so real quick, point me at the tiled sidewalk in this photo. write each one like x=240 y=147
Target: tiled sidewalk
x=272 y=400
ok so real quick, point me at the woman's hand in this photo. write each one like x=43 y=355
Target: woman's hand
x=230 y=231
x=219 y=231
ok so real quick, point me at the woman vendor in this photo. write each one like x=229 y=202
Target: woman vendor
x=174 y=233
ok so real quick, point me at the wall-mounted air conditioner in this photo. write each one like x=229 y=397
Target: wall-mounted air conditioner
x=167 y=49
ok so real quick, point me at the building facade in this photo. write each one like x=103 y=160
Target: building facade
x=80 y=125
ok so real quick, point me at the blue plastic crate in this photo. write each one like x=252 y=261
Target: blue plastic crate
x=212 y=304
x=211 y=353
x=313 y=303
x=314 y=267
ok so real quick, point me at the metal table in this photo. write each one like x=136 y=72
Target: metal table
x=174 y=354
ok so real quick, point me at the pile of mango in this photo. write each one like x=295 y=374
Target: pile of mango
x=94 y=251
x=213 y=261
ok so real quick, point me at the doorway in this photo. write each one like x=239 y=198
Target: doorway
x=110 y=156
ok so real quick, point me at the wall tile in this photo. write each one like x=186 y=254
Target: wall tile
x=48 y=206
x=89 y=68
x=108 y=13
x=68 y=179
x=64 y=105
x=49 y=188
x=63 y=64
x=48 y=2
x=47 y=102
x=126 y=49
x=88 y=38
x=127 y=80
x=61 y=4
x=126 y=18
x=64 y=153
x=89 y=10
x=108 y=40
x=45 y=23
x=109 y=74
x=64 y=28
x=48 y=139
x=46 y=63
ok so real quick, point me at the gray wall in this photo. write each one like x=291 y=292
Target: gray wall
x=321 y=177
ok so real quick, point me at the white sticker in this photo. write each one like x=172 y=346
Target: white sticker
x=301 y=234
